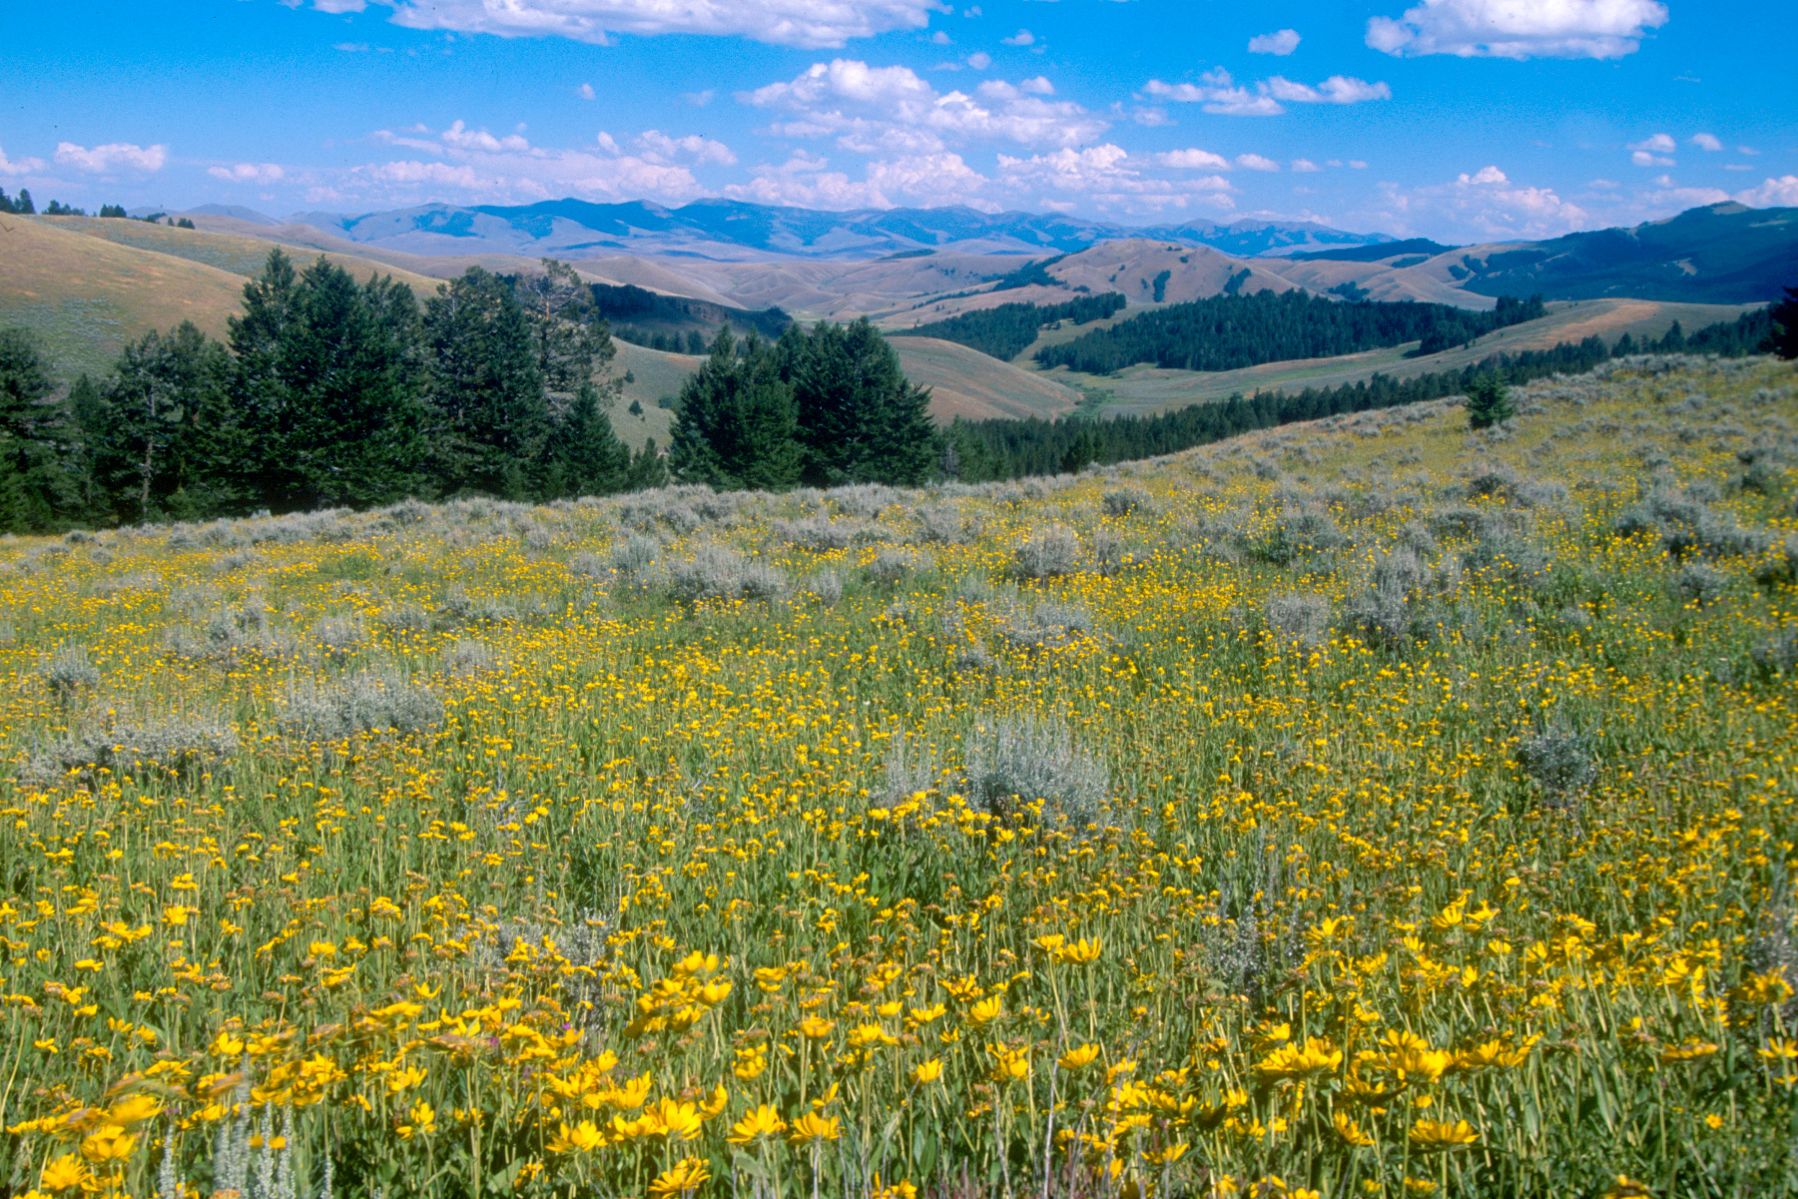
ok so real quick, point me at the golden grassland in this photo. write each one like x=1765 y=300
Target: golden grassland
x=1372 y=808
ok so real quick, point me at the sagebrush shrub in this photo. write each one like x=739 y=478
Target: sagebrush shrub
x=1019 y=760
x=1558 y=760
x=717 y=572
x=1301 y=617
x=180 y=745
x=1047 y=553
x=363 y=703
x=69 y=670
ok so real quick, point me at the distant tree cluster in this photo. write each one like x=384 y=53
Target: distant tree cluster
x=1006 y=331
x=24 y=205
x=668 y=341
x=824 y=408
x=1006 y=449
x=1233 y=331
x=327 y=392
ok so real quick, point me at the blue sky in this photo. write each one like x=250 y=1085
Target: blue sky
x=1458 y=119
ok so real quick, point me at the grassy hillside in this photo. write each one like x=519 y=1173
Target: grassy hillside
x=87 y=297
x=968 y=384
x=238 y=255
x=1371 y=806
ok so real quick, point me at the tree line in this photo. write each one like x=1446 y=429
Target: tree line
x=23 y=205
x=1007 y=449
x=325 y=392
x=1006 y=331
x=1232 y=331
x=329 y=392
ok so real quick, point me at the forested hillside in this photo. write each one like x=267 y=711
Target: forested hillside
x=1008 y=330
x=1231 y=331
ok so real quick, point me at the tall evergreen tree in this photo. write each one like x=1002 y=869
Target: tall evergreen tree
x=586 y=457
x=736 y=426
x=489 y=414
x=36 y=489
x=1488 y=401
x=263 y=398
x=1783 y=340
x=351 y=372
x=153 y=430
x=860 y=419
x=570 y=337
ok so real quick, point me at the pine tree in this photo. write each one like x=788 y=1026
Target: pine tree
x=860 y=420
x=567 y=331
x=36 y=489
x=586 y=456
x=736 y=426
x=489 y=414
x=1783 y=341
x=647 y=469
x=1488 y=401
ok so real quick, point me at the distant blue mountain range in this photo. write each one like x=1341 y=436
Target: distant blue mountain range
x=731 y=229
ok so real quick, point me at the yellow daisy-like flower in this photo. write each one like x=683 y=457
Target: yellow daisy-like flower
x=66 y=1173
x=681 y=1179
x=1440 y=1134
x=1078 y=1058
x=811 y=1128
x=764 y=1121
x=927 y=1072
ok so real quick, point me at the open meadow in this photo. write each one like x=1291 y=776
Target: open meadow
x=1363 y=808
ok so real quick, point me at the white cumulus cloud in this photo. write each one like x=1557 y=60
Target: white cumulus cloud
x=1519 y=29
x=1193 y=160
x=1708 y=142
x=249 y=172
x=809 y=24
x=1280 y=42
x=1255 y=162
x=112 y=157
x=1218 y=93
x=19 y=166
x=892 y=110
x=1774 y=193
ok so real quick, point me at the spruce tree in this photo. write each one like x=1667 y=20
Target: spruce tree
x=1488 y=401
x=489 y=414
x=647 y=468
x=736 y=426
x=264 y=398
x=586 y=456
x=351 y=371
x=860 y=419
x=36 y=489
